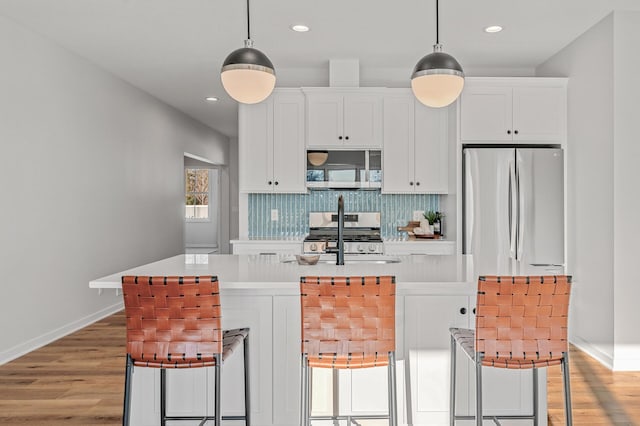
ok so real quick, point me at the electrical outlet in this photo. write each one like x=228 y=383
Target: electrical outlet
x=274 y=215
x=418 y=214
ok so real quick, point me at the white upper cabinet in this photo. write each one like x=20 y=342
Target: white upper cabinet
x=271 y=138
x=415 y=150
x=527 y=110
x=339 y=119
x=431 y=149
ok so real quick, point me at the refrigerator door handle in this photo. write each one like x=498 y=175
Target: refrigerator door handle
x=521 y=217
x=513 y=209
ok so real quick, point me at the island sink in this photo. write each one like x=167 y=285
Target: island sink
x=354 y=259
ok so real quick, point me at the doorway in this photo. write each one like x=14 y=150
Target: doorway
x=203 y=213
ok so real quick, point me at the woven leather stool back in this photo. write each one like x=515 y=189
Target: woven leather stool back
x=521 y=322
x=348 y=322
x=172 y=322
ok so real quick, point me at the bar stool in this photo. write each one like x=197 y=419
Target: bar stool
x=175 y=322
x=348 y=322
x=521 y=323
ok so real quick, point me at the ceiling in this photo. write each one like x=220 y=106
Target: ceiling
x=173 y=49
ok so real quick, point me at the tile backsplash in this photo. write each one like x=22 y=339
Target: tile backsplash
x=293 y=210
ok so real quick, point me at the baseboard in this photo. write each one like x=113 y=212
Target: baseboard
x=593 y=351
x=40 y=341
x=626 y=358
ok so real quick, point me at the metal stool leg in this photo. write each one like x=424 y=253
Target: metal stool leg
x=126 y=415
x=452 y=394
x=247 y=388
x=163 y=397
x=393 y=400
x=567 y=390
x=535 y=397
x=479 y=357
x=304 y=391
x=217 y=421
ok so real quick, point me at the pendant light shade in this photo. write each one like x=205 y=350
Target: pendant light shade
x=247 y=75
x=437 y=79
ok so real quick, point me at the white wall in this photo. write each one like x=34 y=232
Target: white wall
x=234 y=190
x=626 y=195
x=603 y=153
x=588 y=62
x=103 y=161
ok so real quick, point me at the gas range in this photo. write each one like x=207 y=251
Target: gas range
x=361 y=233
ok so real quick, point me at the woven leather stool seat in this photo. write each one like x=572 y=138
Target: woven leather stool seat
x=521 y=323
x=467 y=339
x=175 y=322
x=231 y=340
x=348 y=322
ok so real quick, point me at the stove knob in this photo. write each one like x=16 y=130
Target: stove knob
x=360 y=248
x=372 y=248
x=313 y=247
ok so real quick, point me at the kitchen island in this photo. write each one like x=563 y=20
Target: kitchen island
x=261 y=292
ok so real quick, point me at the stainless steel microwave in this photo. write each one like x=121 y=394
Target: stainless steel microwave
x=358 y=169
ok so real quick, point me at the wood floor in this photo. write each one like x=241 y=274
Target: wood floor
x=78 y=380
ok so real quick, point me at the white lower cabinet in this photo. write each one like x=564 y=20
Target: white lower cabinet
x=286 y=360
x=427 y=354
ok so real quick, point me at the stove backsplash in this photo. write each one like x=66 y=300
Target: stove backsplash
x=293 y=210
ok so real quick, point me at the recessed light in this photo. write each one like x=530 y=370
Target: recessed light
x=300 y=28
x=211 y=99
x=493 y=29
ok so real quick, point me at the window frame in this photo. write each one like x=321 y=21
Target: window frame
x=186 y=193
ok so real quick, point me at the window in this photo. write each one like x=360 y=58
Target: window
x=197 y=194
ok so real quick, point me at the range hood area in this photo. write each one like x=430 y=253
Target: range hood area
x=358 y=169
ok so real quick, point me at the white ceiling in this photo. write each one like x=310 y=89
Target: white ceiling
x=174 y=49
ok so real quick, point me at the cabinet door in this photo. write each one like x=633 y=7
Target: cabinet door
x=289 y=163
x=427 y=356
x=363 y=120
x=286 y=363
x=398 y=153
x=485 y=114
x=254 y=312
x=324 y=120
x=431 y=152
x=255 y=151
x=539 y=114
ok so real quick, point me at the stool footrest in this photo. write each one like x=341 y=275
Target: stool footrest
x=349 y=418
x=496 y=419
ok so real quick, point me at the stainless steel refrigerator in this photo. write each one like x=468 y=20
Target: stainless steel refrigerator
x=513 y=211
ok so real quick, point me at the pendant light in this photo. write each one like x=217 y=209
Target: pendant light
x=247 y=74
x=437 y=79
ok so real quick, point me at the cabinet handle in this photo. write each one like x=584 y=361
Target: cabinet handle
x=508 y=132
x=340 y=137
x=411 y=183
x=346 y=137
x=515 y=131
x=269 y=182
x=474 y=311
x=417 y=183
x=463 y=311
x=276 y=182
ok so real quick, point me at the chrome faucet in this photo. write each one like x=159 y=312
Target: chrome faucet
x=340 y=253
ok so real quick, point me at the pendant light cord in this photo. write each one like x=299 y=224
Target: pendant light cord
x=437 y=22
x=248 y=23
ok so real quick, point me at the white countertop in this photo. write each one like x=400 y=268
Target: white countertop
x=269 y=274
